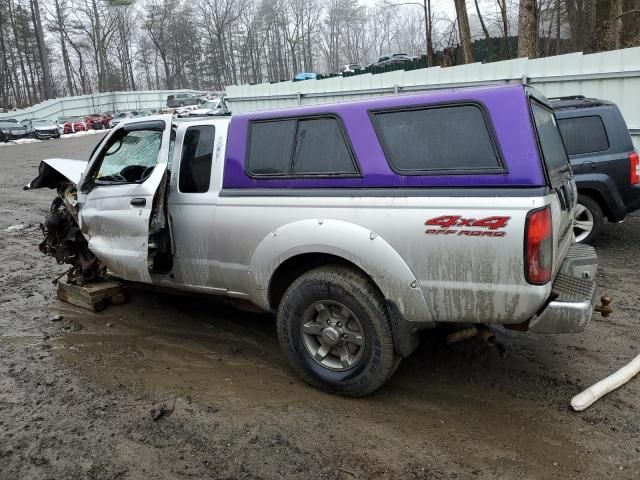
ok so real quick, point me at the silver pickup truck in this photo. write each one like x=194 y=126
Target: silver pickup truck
x=359 y=224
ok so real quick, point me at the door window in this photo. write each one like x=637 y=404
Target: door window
x=197 y=155
x=130 y=158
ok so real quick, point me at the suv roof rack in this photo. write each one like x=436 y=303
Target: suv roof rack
x=577 y=101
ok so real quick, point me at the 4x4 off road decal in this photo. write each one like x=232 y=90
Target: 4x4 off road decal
x=469 y=227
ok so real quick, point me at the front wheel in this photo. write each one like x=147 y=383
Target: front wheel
x=588 y=220
x=334 y=328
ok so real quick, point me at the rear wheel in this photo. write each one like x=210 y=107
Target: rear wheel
x=334 y=328
x=588 y=220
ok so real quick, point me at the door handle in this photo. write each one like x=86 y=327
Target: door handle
x=138 y=202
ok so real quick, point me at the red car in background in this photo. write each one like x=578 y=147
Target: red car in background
x=98 y=121
x=75 y=124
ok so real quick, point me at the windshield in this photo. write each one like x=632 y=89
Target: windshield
x=210 y=104
x=121 y=115
x=75 y=119
x=40 y=123
x=9 y=125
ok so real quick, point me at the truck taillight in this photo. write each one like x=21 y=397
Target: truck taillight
x=634 y=168
x=538 y=248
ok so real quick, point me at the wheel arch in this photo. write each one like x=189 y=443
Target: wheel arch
x=292 y=249
x=597 y=197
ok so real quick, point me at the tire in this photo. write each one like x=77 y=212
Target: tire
x=588 y=214
x=319 y=296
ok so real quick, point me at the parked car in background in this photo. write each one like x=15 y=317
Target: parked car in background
x=391 y=59
x=298 y=77
x=605 y=164
x=60 y=121
x=120 y=116
x=12 y=131
x=350 y=68
x=210 y=107
x=183 y=100
x=75 y=124
x=41 y=129
x=98 y=121
x=146 y=113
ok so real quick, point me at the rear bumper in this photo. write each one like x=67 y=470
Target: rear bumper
x=631 y=196
x=573 y=295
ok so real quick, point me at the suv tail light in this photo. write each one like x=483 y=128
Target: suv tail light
x=538 y=247
x=634 y=168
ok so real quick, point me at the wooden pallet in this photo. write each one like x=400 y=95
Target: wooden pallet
x=93 y=296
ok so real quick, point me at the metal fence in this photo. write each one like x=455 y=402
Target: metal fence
x=96 y=103
x=611 y=75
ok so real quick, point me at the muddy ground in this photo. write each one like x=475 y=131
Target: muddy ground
x=78 y=395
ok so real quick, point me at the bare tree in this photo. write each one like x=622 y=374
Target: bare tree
x=465 y=31
x=42 y=48
x=528 y=29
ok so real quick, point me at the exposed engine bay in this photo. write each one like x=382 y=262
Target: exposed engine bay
x=64 y=241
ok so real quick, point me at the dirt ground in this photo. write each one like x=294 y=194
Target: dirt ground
x=78 y=395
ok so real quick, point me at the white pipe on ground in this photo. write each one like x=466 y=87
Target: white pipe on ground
x=609 y=384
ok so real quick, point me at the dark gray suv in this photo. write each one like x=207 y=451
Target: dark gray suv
x=603 y=159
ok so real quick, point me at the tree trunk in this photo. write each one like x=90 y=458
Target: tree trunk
x=487 y=37
x=615 y=25
x=23 y=71
x=528 y=29
x=558 y=12
x=42 y=49
x=63 y=47
x=426 y=6
x=502 y=4
x=582 y=22
x=465 y=31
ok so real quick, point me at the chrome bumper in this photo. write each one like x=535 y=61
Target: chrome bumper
x=573 y=295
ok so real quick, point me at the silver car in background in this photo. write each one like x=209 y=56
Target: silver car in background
x=41 y=129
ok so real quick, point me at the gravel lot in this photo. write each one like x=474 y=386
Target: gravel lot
x=77 y=396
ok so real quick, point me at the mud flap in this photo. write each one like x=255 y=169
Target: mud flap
x=405 y=334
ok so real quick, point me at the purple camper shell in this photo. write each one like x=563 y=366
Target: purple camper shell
x=507 y=108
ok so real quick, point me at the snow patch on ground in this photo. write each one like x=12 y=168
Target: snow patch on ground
x=20 y=142
x=14 y=228
x=82 y=134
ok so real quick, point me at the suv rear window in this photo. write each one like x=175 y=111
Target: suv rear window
x=298 y=147
x=583 y=134
x=553 y=151
x=440 y=139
